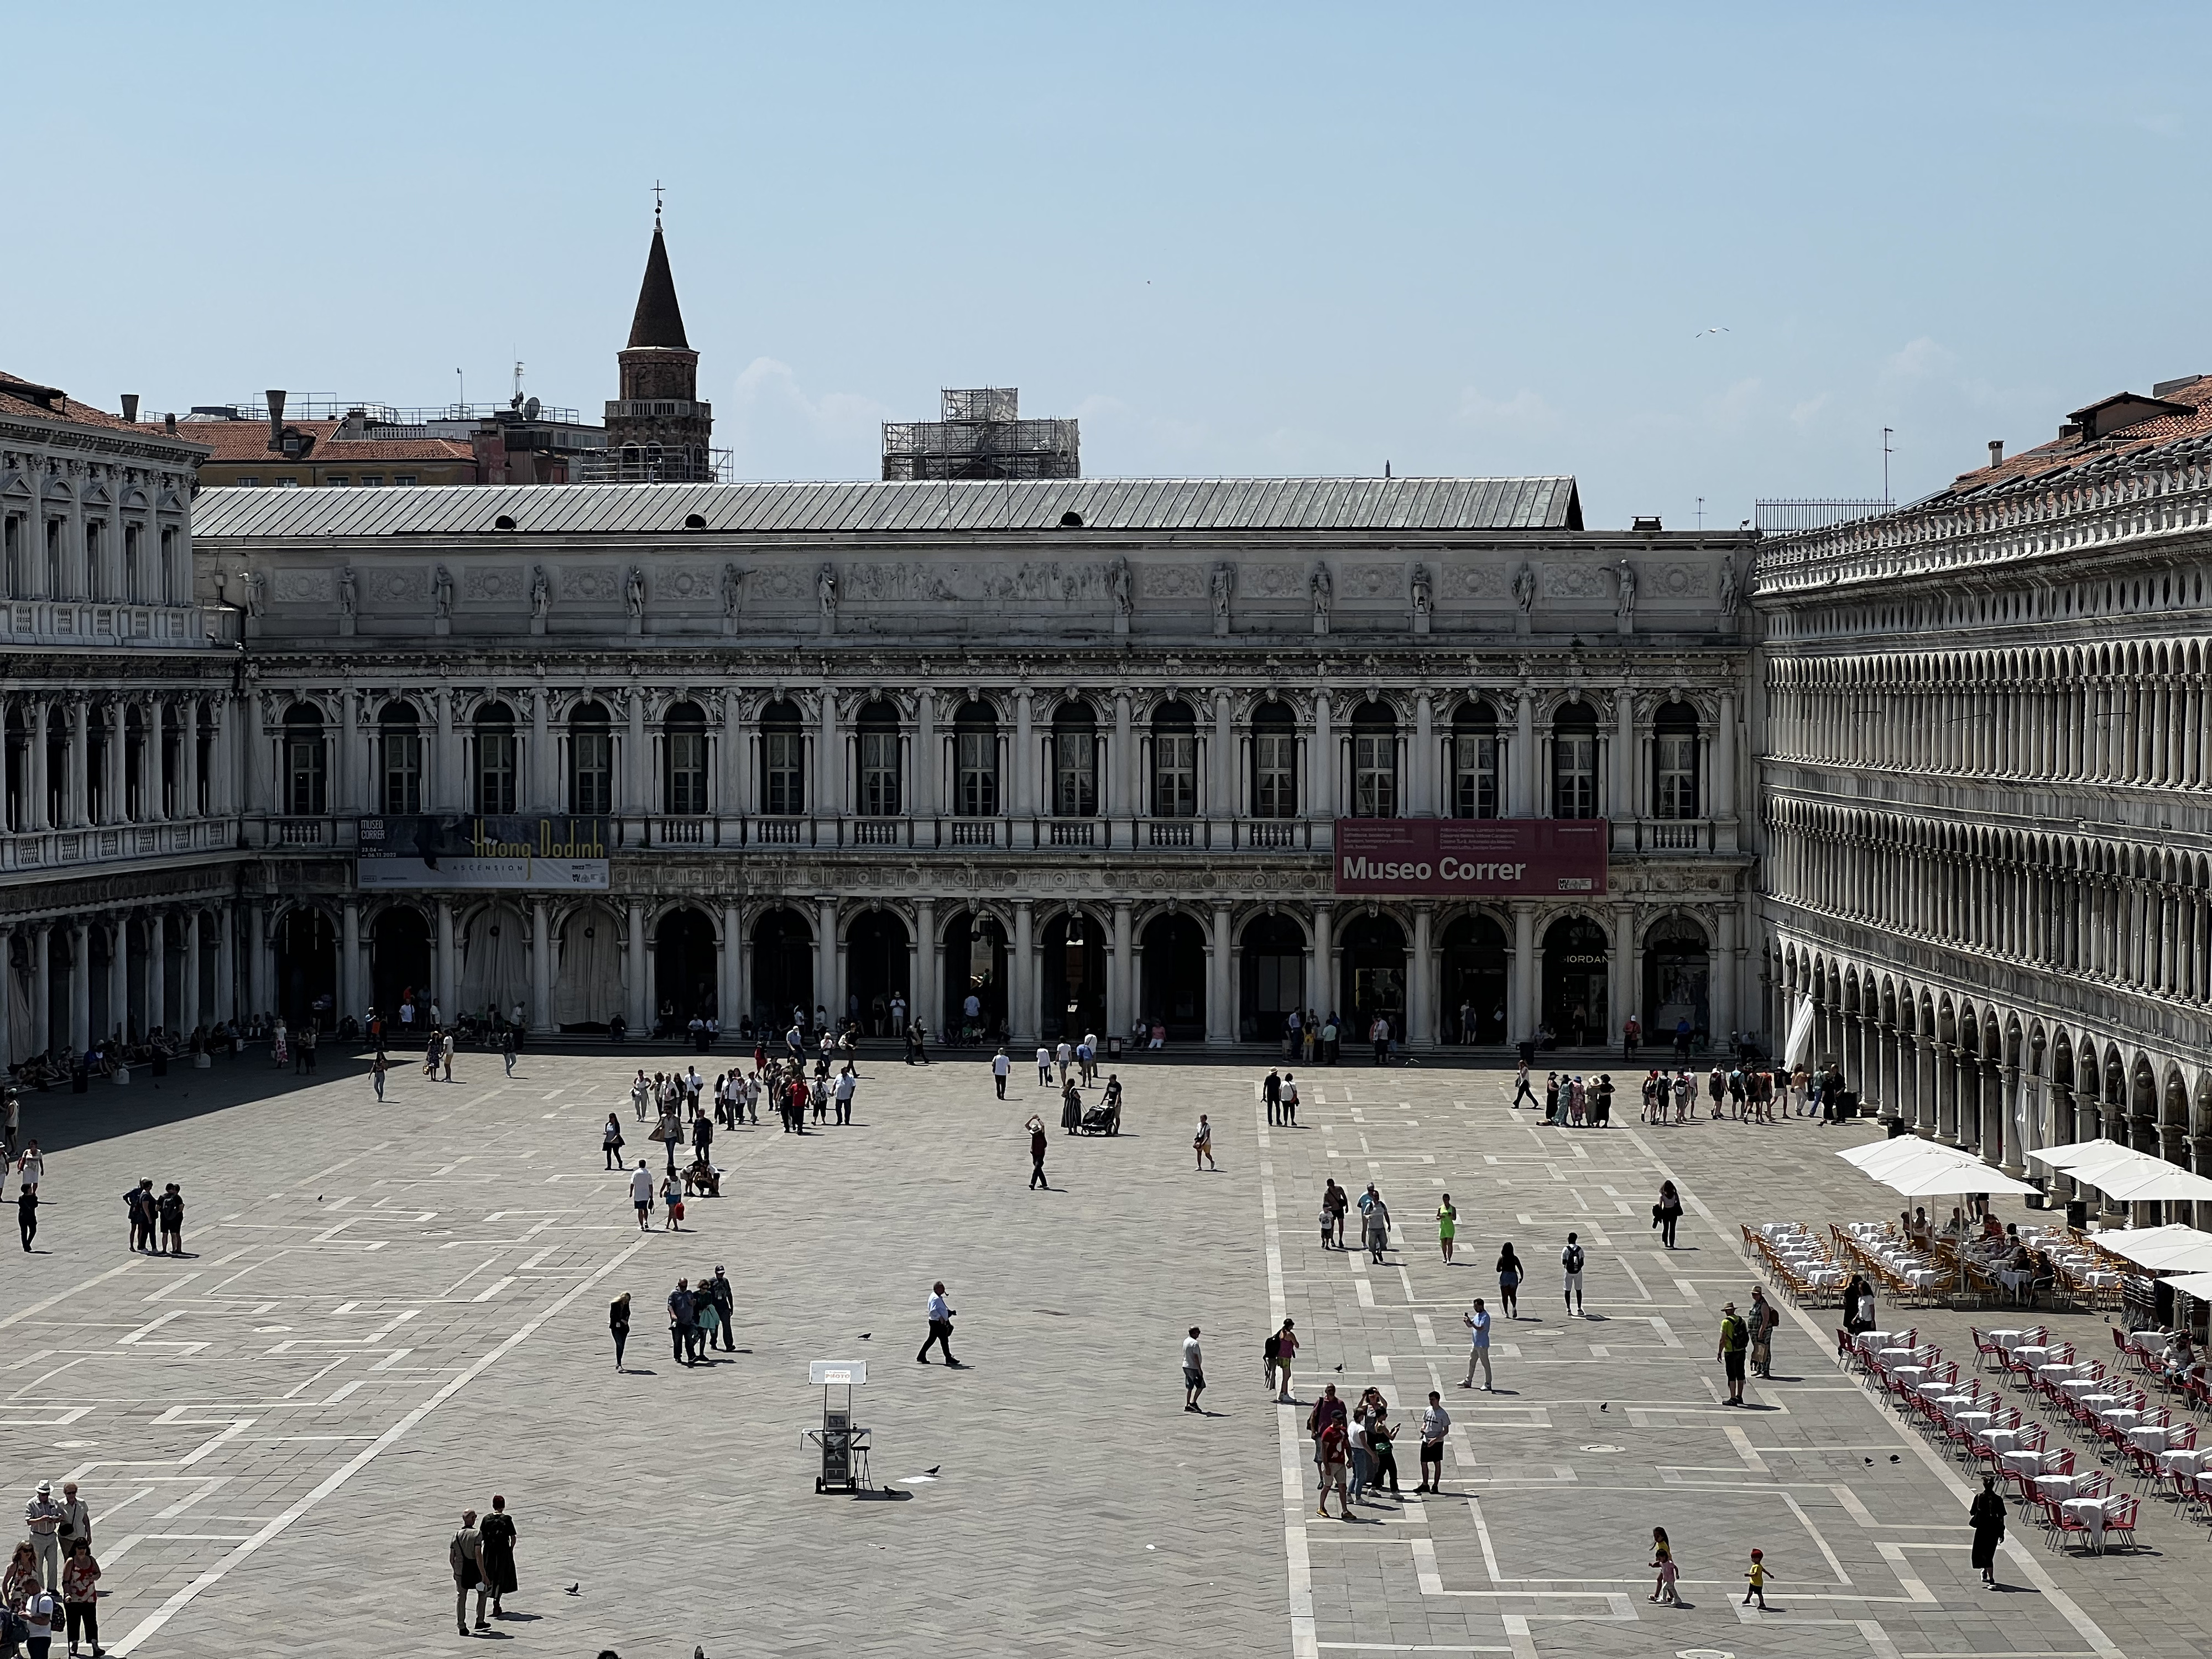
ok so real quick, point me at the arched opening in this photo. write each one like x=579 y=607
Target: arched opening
x=1475 y=760
x=783 y=971
x=1375 y=764
x=783 y=761
x=1173 y=993
x=399 y=755
x=1274 y=761
x=306 y=763
x=1175 y=761
x=881 y=794
x=683 y=969
x=1574 y=762
x=399 y=965
x=306 y=968
x=591 y=762
x=683 y=762
x=1677 y=975
x=496 y=760
x=975 y=762
x=1373 y=952
x=1275 y=974
x=494 y=968
x=587 y=980
x=974 y=976
x=875 y=969
x=1576 y=958
x=1075 y=760
x=1473 y=960
x=1074 y=951
x=1674 y=762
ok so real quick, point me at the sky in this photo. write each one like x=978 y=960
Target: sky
x=1275 y=238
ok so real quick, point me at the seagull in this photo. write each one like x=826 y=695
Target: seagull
x=1702 y=333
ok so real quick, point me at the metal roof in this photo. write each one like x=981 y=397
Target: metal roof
x=1128 y=504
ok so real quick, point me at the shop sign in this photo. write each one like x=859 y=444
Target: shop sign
x=1472 y=857
x=544 y=854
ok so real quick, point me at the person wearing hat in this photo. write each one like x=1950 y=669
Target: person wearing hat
x=42 y=1521
x=1735 y=1337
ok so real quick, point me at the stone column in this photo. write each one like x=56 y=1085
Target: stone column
x=78 y=802
x=116 y=775
x=541 y=966
x=353 y=997
x=257 y=958
x=1521 y=989
x=1321 y=973
x=1723 y=792
x=9 y=1037
x=640 y=974
x=1121 y=799
x=1223 y=788
x=1024 y=767
x=1424 y=769
x=448 y=1005
x=36 y=816
x=154 y=711
x=1022 y=978
x=1119 y=1011
x=188 y=758
x=1421 y=986
x=1623 y=980
x=346 y=793
x=1723 y=987
x=1521 y=774
x=827 y=945
x=829 y=800
x=157 y=970
x=1321 y=800
x=118 y=978
x=226 y=962
x=188 y=996
x=80 y=990
x=730 y=983
x=1220 y=995
x=42 y=987
x=1625 y=787
x=2007 y=1081
x=924 y=1002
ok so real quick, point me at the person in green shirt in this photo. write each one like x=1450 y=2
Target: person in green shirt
x=1447 y=1224
x=1735 y=1337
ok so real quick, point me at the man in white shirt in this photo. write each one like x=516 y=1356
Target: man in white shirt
x=1063 y=1054
x=640 y=1193
x=1290 y=1101
x=1000 y=1065
x=1194 y=1371
x=1436 y=1423
x=1044 y=1067
x=941 y=1327
x=847 y=1083
x=1477 y=1322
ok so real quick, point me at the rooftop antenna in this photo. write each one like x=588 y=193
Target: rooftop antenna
x=517 y=383
x=464 y=380
x=1886 y=452
x=1701 y=511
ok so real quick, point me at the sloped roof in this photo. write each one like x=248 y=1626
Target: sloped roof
x=659 y=320
x=29 y=400
x=236 y=442
x=2188 y=426
x=829 y=508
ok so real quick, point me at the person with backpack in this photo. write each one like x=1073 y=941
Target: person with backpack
x=1271 y=1092
x=139 y=1205
x=1735 y=1337
x=1290 y=1101
x=1764 y=1316
x=1667 y=1213
x=1276 y=1353
x=1570 y=1271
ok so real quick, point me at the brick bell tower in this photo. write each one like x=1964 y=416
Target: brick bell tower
x=658 y=431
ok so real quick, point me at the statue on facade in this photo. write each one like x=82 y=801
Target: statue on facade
x=825 y=592
x=1623 y=603
x=734 y=590
x=1224 y=578
x=1117 y=579
x=634 y=593
x=348 y=592
x=1322 y=590
x=1729 y=592
x=257 y=592
x=1524 y=587
x=441 y=592
x=541 y=593
x=1421 y=591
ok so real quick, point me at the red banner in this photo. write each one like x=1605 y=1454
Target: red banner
x=1470 y=858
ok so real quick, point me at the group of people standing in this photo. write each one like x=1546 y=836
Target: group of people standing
x=482 y=1556
x=51 y=1584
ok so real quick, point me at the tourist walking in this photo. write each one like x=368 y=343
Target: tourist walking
x=941 y=1315
x=1571 y=1273
x=80 y=1598
x=1000 y=1067
x=42 y=1524
x=1038 y=1141
x=27 y=1214
x=495 y=1546
x=463 y=1555
x=724 y=1296
x=1330 y=1457
x=611 y=1141
x=1755 y=1581
x=1194 y=1371
x=1667 y=1212
x=448 y=1056
x=682 y=1324
x=618 y=1327
x=1436 y=1423
x=1986 y=1516
x=1290 y=1101
x=376 y=1068
x=1735 y=1337
x=1201 y=1145
x=76 y=1521
x=1339 y=1205
x=1280 y=1351
x=506 y=1057
x=1477 y=1321
x=1764 y=1319
x=1374 y=1223
x=1662 y=1557
x=672 y=1202
x=1271 y=1091
x=11 y=1120
x=1447 y=1224
x=1508 y=1281
x=640 y=1194
x=138 y=1205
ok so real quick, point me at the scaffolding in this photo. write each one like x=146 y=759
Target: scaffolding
x=979 y=435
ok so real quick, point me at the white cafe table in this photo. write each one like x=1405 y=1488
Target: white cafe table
x=2057 y=1374
x=2004 y=1339
x=2026 y=1354
x=2120 y=1416
x=1935 y=1388
x=2091 y=1511
x=2022 y=1463
x=2186 y=1459
x=2058 y=1485
x=2150 y=1437
x=2003 y=1440
x=1974 y=1421
x=2081 y=1387
x=1951 y=1404
x=1910 y=1375
x=1874 y=1341
x=2097 y=1402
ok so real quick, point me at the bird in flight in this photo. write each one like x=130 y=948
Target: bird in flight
x=1702 y=333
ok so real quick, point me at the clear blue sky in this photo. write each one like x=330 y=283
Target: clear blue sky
x=1268 y=239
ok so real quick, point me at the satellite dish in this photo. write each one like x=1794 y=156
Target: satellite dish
x=530 y=409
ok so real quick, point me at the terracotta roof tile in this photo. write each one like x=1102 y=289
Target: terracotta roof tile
x=236 y=442
x=28 y=399
x=2047 y=463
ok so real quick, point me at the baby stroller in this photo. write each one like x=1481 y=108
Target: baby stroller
x=1102 y=1119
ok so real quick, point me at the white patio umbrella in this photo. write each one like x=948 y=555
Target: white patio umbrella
x=2126 y=1172
x=2165 y=1249
x=1877 y=1155
x=2197 y=1284
x=1940 y=1172
x=2080 y=1151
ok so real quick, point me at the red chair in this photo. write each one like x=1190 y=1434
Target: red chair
x=2058 y=1524
x=1985 y=1347
x=2063 y=1466
x=2183 y=1438
x=2122 y=1520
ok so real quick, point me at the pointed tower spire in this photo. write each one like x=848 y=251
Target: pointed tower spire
x=658 y=431
x=659 y=320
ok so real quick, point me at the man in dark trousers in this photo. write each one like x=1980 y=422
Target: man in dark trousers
x=1271 y=1090
x=1036 y=1126
x=724 y=1296
x=941 y=1326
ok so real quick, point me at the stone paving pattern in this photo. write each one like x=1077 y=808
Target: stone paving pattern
x=389 y=1312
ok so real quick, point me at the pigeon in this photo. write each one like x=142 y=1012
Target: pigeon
x=698 y=1652
x=865 y=1336
x=1605 y=1405
x=1869 y=1462
x=1340 y=1368
x=1894 y=1458
x=933 y=1468
x=576 y=1589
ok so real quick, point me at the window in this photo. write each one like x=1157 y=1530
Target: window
x=306 y=785
x=684 y=760
x=1674 y=762
x=975 y=762
x=168 y=593
x=1574 y=762
x=399 y=733
x=591 y=762
x=96 y=578
x=1374 y=762
x=1075 y=763
x=282 y=484
x=783 y=761
x=403 y=479
x=53 y=558
x=879 y=762
x=496 y=760
x=1175 y=763
x=337 y=478
x=1475 y=762
x=11 y=539
x=132 y=577
x=372 y=480
x=1275 y=764
x=250 y=483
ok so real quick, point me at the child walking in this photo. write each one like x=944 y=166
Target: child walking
x=1662 y=1557
x=1757 y=1577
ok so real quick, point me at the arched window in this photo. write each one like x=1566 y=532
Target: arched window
x=880 y=794
x=591 y=761
x=783 y=761
x=1674 y=762
x=1075 y=762
x=496 y=760
x=1374 y=762
x=399 y=744
x=975 y=762
x=1474 y=761
x=1175 y=762
x=1275 y=761
x=1574 y=762
x=305 y=766
x=684 y=762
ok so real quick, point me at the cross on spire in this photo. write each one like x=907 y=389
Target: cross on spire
x=656 y=204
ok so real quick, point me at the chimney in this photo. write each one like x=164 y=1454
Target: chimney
x=169 y=423
x=1997 y=452
x=276 y=419
x=131 y=407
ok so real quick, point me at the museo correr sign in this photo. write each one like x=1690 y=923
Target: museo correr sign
x=1472 y=857
x=470 y=851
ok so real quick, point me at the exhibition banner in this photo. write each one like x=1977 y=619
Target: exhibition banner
x=516 y=852
x=1472 y=857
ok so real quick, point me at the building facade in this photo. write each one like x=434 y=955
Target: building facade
x=1986 y=849
x=119 y=867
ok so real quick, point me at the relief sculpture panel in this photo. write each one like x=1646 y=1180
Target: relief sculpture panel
x=304 y=587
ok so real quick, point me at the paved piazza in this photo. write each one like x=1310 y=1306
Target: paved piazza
x=388 y=1313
